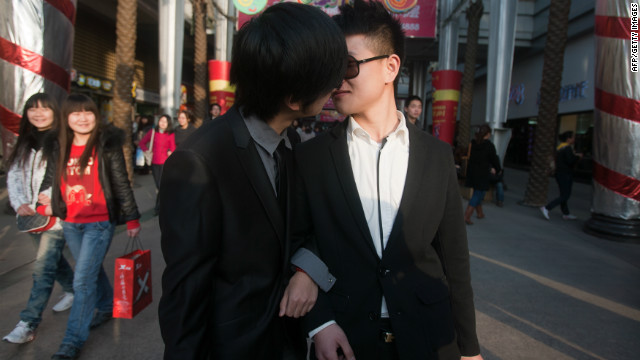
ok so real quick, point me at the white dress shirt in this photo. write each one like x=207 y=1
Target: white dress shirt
x=394 y=161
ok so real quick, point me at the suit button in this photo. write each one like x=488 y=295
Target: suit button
x=382 y=271
x=373 y=316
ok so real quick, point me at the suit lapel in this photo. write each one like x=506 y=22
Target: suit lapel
x=254 y=168
x=412 y=184
x=342 y=163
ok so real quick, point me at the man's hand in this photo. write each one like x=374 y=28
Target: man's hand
x=329 y=340
x=25 y=210
x=477 y=357
x=299 y=296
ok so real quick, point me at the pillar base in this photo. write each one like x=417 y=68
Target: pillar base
x=613 y=228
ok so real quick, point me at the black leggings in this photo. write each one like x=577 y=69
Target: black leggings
x=156 y=170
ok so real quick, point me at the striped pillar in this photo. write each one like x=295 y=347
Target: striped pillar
x=221 y=91
x=36 y=48
x=616 y=143
x=446 y=95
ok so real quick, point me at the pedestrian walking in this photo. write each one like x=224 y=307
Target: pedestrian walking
x=565 y=160
x=483 y=162
x=162 y=142
x=229 y=289
x=28 y=164
x=413 y=109
x=144 y=126
x=91 y=193
x=185 y=127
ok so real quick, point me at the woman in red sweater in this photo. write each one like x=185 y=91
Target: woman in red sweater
x=163 y=145
x=91 y=193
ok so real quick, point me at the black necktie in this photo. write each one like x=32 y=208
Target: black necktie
x=281 y=175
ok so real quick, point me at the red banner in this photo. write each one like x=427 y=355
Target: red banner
x=446 y=94
x=614 y=181
x=418 y=17
x=34 y=62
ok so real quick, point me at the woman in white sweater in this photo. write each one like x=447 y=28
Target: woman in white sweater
x=28 y=162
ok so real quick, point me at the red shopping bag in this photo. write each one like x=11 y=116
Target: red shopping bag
x=132 y=283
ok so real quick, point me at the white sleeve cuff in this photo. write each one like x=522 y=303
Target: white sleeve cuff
x=320 y=328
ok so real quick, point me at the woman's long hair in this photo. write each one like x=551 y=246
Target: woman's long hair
x=76 y=103
x=482 y=132
x=26 y=133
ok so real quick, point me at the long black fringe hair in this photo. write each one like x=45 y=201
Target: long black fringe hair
x=26 y=133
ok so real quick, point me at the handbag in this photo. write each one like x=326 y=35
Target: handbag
x=132 y=281
x=148 y=155
x=35 y=224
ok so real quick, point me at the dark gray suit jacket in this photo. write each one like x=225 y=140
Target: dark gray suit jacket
x=424 y=272
x=226 y=244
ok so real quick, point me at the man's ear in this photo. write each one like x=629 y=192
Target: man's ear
x=292 y=105
x=392 y=68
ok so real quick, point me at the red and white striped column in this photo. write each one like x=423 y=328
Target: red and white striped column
x=36 y=49
x=616 y=143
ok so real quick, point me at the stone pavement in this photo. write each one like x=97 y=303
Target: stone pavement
x=543 y=289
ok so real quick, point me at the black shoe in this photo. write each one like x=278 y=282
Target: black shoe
x=100 y=318
x=500 y=204
x=66 y=351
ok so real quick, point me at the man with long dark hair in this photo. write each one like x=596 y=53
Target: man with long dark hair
x=225 y=196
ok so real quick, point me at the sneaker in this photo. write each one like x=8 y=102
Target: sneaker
x=545 y=212
x=100 y=318
x=65 y=352
x=65 y=302
x=569 y=217
x=21 y=334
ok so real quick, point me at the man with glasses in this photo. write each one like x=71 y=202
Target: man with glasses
x=378 y=201
x=225 y=198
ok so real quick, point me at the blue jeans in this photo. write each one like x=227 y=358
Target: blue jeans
x=89 y=244
x=476 y=198
x=50 y=266
x=500 y=191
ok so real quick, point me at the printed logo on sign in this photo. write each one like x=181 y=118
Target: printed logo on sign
x=124 y=267
x=634 y=37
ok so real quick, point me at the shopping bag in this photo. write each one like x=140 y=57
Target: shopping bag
x=139 y=157
x=132 y=283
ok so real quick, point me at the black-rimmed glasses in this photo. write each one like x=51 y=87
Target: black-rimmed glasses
x=353 y=65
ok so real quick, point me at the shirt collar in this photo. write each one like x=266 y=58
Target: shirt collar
x=400 y=133
x=264 y=135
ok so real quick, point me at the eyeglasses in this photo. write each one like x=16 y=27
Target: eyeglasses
x=353 y=65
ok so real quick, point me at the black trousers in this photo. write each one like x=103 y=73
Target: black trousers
x=565 y=182
x=156 y=170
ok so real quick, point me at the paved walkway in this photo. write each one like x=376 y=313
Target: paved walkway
x=544 y=289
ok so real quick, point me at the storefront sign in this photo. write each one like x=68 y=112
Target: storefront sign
x=418 y=17
x=91 y=82
x=571 y=92
x=516 y=93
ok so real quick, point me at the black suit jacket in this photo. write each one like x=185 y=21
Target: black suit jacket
x=424 y=270
x=226 y=246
